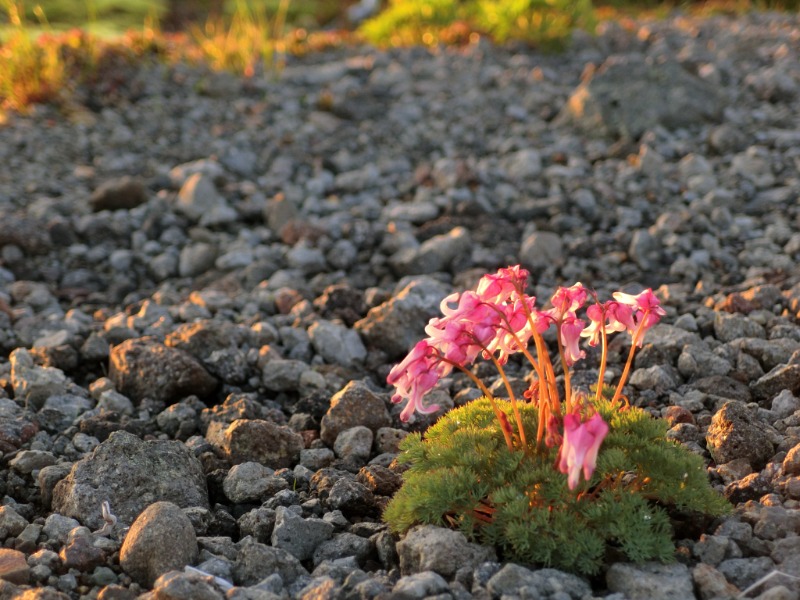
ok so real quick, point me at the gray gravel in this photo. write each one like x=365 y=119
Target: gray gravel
x=204 y=282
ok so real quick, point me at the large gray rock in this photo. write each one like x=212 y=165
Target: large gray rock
x=629 y=94
x=119 y=194
x=34 y=384
x=736 y=433
x=444 y=551
x=251 y=482
x=177 y=585
x=421 y=585
x=256 y=561
x=540 y=249
x=399 y=323
x=782 y=377
x=199 y=200
x=254 y=440
x=731 y=326
x=299 y=536
x=434 y=254
x=651 y=581
x=130 y=474
x=145 y=368
x=161 y=539
x=517 y=581
x=337 y=344
x=353 y=405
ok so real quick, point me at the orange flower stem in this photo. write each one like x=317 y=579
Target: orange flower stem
x=626 y=371
x=601 y=375
x=513 y=398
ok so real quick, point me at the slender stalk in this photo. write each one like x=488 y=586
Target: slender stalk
x=626 y=371
x=544 y=415
x=513 y=398
x=601 y=375
x=567 y=386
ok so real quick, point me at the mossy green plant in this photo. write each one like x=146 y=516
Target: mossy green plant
x=462 y=475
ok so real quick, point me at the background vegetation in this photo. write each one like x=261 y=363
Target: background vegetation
x=49 y=47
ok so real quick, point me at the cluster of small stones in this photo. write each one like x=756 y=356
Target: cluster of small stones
x=205 y=281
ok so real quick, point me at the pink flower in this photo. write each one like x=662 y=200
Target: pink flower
x=571 y=329
x=503 y=285
x=580 y=446
x=647 y=306
x=465 y=330
x=567 y=300
x=415 y=376
x=514 y=330
x=612 y=315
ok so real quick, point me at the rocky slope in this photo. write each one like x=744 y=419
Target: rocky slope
x=206 y=280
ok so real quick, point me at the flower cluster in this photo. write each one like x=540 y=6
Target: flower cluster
x=499 y=319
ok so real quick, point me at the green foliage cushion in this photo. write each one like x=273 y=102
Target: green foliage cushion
x=463 y=475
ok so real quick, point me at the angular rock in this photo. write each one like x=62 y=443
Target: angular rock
x=204 y=337
x=380 y=480
x=352 y=498
x=299 y=536
x=255 y=562
x=541 y=249
x=337 y=344
x=251 y=482
x=650 y=581
x=735 y=433
x=444 y=551
x=14 y=566
x=264 y=442
x=11 y=522
x=258 y=523
x=397 y=324
x=342 y=545
x=353 y=405
x=119 y=194
x=420 y=585
x=199 y=200
x=782 y=377
x=33 y=384
x=711 y=584
x=354 y=444
x=283 y=375
x=434 y=254
x=130 y=474
x=515 y=580
x=161 y=539
x=177 y=585
x=144 y=368
x=731 y=326
x=629 y=94
x=80 y=553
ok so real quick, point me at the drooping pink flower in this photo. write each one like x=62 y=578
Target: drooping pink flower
x=514 y=330
x=415 y=376
x=647 y=306
x=612 y=315
x=580 y=446
x=466 y=329
x=566 y=300
x=503 y=285
x=571 y=329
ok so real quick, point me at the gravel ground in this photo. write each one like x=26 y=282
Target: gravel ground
x=205 y=281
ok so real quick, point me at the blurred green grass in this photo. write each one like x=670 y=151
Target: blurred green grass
x=114 y=17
